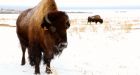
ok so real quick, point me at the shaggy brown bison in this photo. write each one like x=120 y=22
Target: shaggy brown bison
x=42 y=30
x=95 y=18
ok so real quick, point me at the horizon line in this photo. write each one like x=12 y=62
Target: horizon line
x=75 y=7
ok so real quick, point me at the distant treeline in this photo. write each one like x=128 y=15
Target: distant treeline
x=9 y=11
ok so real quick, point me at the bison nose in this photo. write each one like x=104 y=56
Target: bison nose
x=63 y=45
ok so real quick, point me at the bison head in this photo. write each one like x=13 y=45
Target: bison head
x=57 y=22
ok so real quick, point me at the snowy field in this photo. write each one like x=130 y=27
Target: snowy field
x=111 y=48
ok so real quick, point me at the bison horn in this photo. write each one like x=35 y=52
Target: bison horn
x=47 y=20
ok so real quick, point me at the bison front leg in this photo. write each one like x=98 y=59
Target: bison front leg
x=31 y=58
x=35 y=57
x=47 y=61
x=37 y=63
x=48 y=69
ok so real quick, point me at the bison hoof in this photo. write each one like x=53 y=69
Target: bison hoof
x=37 y=73
x=32 y=63
x=44 y=62
x=49 y=72
x=22 y=63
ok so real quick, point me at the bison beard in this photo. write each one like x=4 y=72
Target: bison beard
x=45 y=40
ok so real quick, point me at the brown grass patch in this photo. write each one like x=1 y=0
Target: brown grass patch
x=6 y=25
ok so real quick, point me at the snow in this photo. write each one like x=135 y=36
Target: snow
x=91 y=51
x=8 y=19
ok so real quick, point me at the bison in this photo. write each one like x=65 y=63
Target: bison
x=95 y=18
x=43 y=31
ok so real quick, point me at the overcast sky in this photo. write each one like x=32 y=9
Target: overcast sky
x=75 y=3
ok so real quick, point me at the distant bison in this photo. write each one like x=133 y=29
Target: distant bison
x=95 y=18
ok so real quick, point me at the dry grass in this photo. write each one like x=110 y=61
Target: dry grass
x=6 y=25
x=80 y=25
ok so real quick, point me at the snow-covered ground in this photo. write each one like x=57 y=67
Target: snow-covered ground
x=8 y=19
x=111 y=48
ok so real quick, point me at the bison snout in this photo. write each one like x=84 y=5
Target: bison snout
x=62 y=45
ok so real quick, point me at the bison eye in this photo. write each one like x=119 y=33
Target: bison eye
x=67 y=25
x=52 y=28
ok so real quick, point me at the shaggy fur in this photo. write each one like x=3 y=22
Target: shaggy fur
x=39 y=36
x=43 y=8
